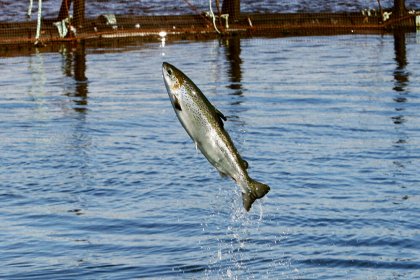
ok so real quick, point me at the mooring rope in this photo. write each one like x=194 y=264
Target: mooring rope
x=198 y=12
x=29 y=13
x=213 y=18
x=38 y=24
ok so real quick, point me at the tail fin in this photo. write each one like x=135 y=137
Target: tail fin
x=257 y=190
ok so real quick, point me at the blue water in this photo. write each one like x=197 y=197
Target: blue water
x=98 y=179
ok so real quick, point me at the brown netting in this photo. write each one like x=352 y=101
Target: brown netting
x=70 y=20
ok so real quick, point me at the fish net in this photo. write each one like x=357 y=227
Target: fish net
x=39 y=21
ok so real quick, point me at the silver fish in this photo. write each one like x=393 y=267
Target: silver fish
x=204 y=124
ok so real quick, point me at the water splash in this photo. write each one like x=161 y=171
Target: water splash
x=240 y=237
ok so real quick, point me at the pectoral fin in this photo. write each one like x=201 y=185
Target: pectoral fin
x=176 y=103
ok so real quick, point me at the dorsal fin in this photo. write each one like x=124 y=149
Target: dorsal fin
x=220 y=114
x=220 y=117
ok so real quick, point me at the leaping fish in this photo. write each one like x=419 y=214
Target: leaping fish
x=204 y=124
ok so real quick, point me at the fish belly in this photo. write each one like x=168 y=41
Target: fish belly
x=210 y=140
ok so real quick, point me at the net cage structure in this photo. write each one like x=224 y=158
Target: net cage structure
x=44 y=21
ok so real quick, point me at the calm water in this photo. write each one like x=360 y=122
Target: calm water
x=98 y=179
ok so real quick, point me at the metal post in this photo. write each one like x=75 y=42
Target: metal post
x=79 y=13
x=232 y=7
x=404 y=21
x=399 y=8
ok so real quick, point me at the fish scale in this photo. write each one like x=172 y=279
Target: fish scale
x=204 y=124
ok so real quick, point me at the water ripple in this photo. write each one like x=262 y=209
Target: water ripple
x=99 y=180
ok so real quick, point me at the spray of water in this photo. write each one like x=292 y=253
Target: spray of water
x=234 y=237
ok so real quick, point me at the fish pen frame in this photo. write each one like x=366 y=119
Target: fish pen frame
x=227 y=21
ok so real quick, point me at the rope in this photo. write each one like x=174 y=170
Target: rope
x=194 y=9
x=38 y=24
x=213 y=18
x=29 y=13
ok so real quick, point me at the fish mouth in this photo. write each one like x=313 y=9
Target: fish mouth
x=170 y=70
x=164 y=69
x=171 y=77
x=167 y=68
x=166 y=75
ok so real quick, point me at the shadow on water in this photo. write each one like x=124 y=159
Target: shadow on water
x=74 y=65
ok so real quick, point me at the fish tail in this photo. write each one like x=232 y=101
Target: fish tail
x=257 y=190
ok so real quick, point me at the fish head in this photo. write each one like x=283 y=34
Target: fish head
x=174 y=80
x=178 y=85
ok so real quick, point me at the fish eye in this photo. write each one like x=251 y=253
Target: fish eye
x=170 y=71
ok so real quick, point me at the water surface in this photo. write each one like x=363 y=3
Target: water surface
x=98 y=179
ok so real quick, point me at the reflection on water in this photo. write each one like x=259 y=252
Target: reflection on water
x=401 y=83
x=233 y=57
x=232 y=46
x=74 y=65
x=401 y=77
x=38 y=76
